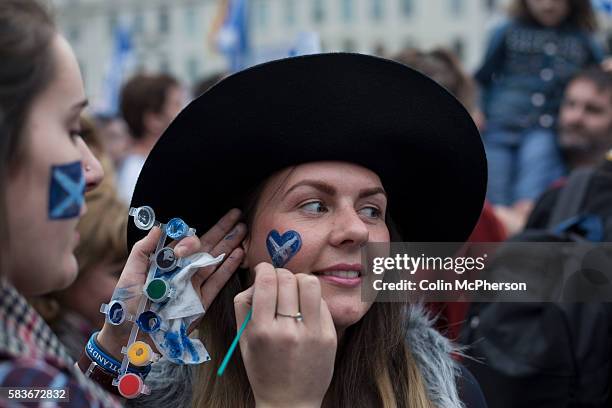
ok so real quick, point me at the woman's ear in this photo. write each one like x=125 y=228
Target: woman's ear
x=245 y=247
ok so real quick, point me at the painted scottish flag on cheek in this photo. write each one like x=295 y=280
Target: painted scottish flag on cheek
x=66 y=191
x=283 y=247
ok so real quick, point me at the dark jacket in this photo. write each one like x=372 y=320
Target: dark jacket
x=525 y=70
x=551 y=354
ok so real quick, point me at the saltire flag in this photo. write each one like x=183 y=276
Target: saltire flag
x=231 y=33
x=120 y=63
x=603 y=6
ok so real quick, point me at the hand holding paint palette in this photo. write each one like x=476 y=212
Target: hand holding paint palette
x=281 y=249
x=152 y=310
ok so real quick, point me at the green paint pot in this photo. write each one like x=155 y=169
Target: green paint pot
x=157 y=290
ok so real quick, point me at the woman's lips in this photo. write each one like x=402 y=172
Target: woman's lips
x=344 y=275
x=340 y=280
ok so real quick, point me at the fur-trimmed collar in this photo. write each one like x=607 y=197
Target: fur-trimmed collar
x=171 y=384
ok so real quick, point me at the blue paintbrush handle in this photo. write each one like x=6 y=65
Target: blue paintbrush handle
x=232 y=347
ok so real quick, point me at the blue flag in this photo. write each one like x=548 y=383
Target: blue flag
x=233 y=36
x=603 y=6
x=122 y=57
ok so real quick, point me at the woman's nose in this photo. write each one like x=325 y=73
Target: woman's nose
x=94 y=173
x=349 y=229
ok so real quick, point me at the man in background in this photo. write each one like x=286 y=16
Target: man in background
x=584 y=134
x=585 y=118
x=148 y=104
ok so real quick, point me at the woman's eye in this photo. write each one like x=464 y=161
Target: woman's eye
x=371 y=212
x=314 y=207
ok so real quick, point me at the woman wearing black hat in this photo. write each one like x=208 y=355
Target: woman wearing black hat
x=342 y=149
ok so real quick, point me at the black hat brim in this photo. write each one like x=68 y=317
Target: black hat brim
x=362 y=109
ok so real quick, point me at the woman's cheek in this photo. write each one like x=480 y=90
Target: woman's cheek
x=346 y=309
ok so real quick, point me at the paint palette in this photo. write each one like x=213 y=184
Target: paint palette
x=156 y=290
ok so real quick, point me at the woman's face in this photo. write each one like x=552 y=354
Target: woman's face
x=45 y=194
x=549 y=13
x=336 y=207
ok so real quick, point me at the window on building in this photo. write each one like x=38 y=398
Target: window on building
x=324 y=47
x=407 y=7
x=318 y=11
x=164 y=65
x=409 y=42
x=192 y=69
x=262 y=12
x=74 y=33
x=490 y=5
x=459 y=47
x=349 y=45
x=163 y=20
x=113 y=21
x=290 y=16
x=347 y=10
x=376 y=9
x=138 y=22
x=456 y=7
x=191 y=20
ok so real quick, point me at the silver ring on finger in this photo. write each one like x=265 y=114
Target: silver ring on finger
x=298 y=316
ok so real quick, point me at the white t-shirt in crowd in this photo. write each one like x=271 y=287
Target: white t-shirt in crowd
x=127 y=175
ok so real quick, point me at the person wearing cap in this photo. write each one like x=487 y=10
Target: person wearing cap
x=340 y=150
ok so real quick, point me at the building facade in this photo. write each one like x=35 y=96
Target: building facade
x=174 y=36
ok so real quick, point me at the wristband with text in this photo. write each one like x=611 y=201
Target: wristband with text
x=108 y=363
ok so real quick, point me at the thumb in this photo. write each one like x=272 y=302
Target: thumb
x=141 y=251
x=243 y=302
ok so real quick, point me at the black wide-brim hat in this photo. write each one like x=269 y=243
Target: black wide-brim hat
x=377 y=113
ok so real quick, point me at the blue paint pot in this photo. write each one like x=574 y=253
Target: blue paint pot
x=177 y=229
x=116 y=313
x=149 y=322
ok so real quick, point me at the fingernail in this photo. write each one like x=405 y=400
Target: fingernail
x=180 y=251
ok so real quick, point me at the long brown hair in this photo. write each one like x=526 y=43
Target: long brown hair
x=580 y=13
x=374 y=366
x=26 y=32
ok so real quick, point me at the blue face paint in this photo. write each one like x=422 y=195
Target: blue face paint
x=283 y=247
x=66 y=191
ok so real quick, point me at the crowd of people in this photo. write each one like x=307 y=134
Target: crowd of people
x=265 y=150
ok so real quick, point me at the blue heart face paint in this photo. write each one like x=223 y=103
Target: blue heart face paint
x=66 y=191
x=283 y=247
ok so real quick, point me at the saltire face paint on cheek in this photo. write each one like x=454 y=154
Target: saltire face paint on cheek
x=66 y=191
x=283 y=247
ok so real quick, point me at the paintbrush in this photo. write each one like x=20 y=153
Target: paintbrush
x=281 y=249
